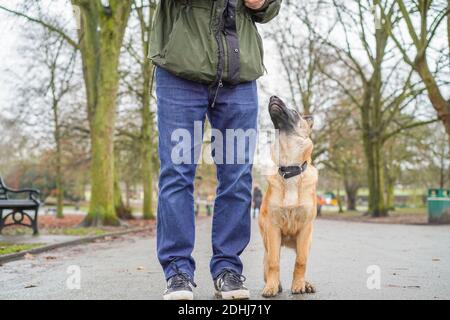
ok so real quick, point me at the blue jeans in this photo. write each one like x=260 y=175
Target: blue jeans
x=183 y=104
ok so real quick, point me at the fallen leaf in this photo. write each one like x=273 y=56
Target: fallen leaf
x=140 y=268
x=50 y=258
x=28 y=286
x=29 y=256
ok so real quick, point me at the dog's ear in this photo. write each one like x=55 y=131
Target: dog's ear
x=309 y=119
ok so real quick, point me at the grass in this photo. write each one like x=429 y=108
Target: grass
x=398 y=192
x=82 y=232
x=409 y=211
x=17 y=231
x=8 y=248
x=394 y=213
x=398 y=216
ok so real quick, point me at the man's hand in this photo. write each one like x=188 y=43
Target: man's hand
x=254 y=4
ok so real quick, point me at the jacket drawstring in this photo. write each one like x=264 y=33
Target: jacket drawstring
x=212 y=103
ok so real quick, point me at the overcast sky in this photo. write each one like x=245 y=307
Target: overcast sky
x=8 y=55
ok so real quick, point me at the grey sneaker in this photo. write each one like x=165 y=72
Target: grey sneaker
x=179 y=288
x=229 y=285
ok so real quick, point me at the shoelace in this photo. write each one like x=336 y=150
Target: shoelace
x=232 y=276
x=180 y=279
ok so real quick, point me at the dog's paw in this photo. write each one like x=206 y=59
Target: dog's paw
x=302 y=287
x=272 y=290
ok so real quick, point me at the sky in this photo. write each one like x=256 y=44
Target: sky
x=8 y=55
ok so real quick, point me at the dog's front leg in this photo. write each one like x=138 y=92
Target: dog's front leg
x=303 y=245
x=272 y=261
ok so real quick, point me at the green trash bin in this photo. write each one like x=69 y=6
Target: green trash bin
x=438 y=206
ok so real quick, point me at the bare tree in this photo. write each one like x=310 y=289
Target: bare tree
x=382 y=88
x=424 y=20
x=43 y=88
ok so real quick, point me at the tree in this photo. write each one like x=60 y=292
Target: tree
x=381 y=88
x=48 y=81
x=431 y=16
x=145 y=12
x=100 y=39
x=345 y=153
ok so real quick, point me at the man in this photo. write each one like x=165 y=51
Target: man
x=209 y=54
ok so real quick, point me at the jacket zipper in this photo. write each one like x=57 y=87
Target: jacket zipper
x=221 y=63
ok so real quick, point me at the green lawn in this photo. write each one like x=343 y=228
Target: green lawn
x=396 y=213
x=409 y=211
x=82 y=232
x=8 y=248
x=398 y=192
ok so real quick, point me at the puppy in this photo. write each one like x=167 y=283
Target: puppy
x=289 y=206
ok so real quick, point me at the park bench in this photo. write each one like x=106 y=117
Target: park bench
x=18 y=208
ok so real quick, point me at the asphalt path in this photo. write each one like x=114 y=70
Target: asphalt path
x=348 y=261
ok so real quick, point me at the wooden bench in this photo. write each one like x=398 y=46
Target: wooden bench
x=18 y=208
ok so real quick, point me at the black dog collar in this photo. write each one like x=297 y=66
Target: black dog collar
x=292 y=171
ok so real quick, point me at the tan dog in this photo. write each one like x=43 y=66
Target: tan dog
x=290 y=203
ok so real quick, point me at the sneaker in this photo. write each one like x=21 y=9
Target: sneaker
x=229 y=285
x=179 y=288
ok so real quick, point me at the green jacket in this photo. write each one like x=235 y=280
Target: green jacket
x=210 y=41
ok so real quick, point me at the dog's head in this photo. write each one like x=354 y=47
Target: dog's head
x=295 y=131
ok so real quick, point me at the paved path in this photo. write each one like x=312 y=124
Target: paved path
x=414 y=263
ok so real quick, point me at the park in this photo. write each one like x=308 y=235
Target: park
x=80 y=170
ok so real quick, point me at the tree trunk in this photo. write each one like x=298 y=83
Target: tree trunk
x=101 y=37
x=123 y=212
x=375 y=175
x=377 y=206
x=351 y=193
x=147 y=166
x=58 y=164
x=101 y=208
x=59 y=183
x=442 y=170
x=390 y=195
x=128 y=193
x=339 y=200
x=372 y=130
x=147 y=143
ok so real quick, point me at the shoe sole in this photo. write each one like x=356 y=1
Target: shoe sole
x=179 y=295
x=233 y=295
